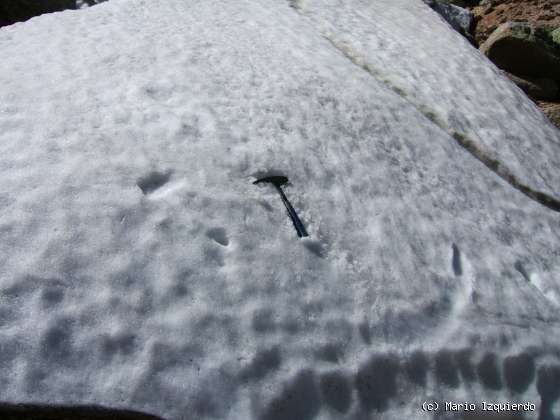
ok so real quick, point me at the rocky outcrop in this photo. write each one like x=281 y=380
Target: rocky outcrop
x=458 y=17
x=12 y=11
x=524 y=50
x=490 y=14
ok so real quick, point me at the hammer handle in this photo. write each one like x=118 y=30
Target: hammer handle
x=298 y=225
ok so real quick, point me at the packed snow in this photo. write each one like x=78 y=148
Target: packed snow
x=141 y=268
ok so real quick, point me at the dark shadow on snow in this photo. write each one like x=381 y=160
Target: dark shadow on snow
x=48 y=412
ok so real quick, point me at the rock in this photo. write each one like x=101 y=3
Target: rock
x=12 y=11
x=459 y=18
x=523 y=50
x=539 y=89
x=491 y=14
x=555 y=36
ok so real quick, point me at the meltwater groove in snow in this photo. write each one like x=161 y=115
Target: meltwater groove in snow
x=491 y=162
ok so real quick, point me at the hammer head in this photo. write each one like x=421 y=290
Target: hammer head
x=275 y=180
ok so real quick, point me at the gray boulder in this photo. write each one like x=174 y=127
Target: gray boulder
x=524 y=50
x=459 y=18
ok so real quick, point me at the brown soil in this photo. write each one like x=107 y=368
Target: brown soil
x=489 y=17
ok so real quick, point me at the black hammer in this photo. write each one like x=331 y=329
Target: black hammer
x=278 y=181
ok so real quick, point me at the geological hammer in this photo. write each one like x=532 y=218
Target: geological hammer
x=278 y=181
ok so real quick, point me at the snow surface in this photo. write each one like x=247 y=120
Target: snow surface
x=141 y=268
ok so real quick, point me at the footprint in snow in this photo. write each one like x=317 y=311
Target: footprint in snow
x=218 y=235
x=153 y=181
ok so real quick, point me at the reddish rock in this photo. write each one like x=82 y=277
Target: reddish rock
x=496 y=12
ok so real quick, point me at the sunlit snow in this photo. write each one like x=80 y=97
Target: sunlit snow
x=140 y=267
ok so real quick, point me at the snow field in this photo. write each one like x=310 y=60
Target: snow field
x=141 y=268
